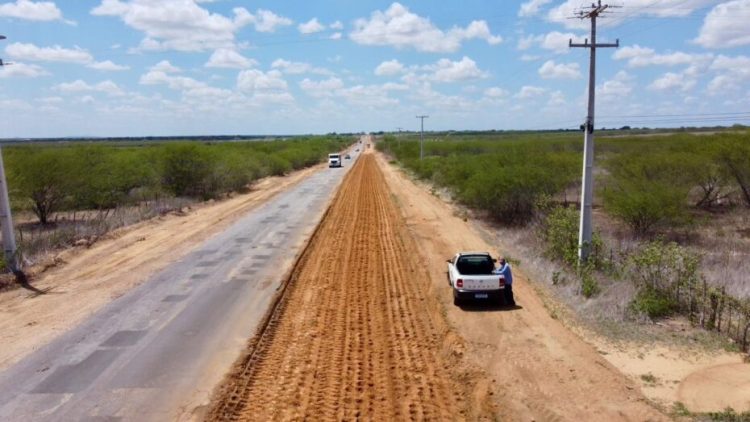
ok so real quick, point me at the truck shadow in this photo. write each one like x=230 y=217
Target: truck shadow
x=488 y=307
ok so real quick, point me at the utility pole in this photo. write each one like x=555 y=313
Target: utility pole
x=6 y=219
x=421 y=137
x=587 y=191
x=399 y=135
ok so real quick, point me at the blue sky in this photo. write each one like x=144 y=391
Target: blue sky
x=193 y=67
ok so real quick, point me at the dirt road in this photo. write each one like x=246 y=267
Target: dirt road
x=542 y=370
x=355 y=336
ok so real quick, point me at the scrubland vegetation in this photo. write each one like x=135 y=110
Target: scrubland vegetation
x=672 y=213
x=77 y=191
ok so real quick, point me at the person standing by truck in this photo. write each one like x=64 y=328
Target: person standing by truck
x=504 y=269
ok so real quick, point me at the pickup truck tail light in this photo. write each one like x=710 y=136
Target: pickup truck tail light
x=459 y=283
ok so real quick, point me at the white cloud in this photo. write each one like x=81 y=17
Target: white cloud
x=400 y=28
x=298 y=68
x=495 y=92
x=525 y=43
x=638 y=56
x=726 y=25
x=56 y=53
x=389 y=68
x=166 y=67
x=370 y=96
x=310 y=27
x=78 y=86
x=184 y=25
x=22 y=70
x=557 y=41
x=108 y=66
x=29 y=10
x=253 y=81
x=552 y=70
x=77 y=55
x=733 y=73
x=176 y=24
x=374 y=96
x=446 y=70
x=531 y=7
x=267 y=21
x=337 y=26
x=229 y=59
x=554 y=41
x=194 y=93
x=616 y=88
x=528 y=91
x=324 y=88
x=556 y=99
x=671 y=81
x=336 y=36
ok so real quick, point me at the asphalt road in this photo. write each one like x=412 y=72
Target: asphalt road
x=157 y=352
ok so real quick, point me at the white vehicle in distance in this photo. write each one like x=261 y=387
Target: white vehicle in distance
x=471 y=275
x=334 y=160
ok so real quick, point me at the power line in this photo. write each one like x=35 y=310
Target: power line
x=679 y=115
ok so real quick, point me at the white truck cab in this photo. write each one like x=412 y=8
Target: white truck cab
x=472 y=277
x=334 y=160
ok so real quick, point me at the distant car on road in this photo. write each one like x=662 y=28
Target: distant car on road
x=334 y=160
x=347 y=157
x=471 y=276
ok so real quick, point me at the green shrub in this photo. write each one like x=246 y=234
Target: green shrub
x=589 y=285
x=187 y=169
x=277 y=166
x=644 y=204
x=660 y=272
x=653 y=303
x=560 y=231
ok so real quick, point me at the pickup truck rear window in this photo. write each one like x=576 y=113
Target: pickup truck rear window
x=475 y=265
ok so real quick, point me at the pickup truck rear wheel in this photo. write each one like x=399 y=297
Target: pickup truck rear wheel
x=456 y=300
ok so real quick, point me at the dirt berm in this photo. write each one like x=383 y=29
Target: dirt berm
x=355 y=336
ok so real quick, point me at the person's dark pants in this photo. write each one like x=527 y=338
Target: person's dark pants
x=508 y=292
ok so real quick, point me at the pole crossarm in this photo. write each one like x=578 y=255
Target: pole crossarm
x=586 y=44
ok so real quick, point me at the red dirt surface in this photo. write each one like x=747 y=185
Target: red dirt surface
x=354 y=336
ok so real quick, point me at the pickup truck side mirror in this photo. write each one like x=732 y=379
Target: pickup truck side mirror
x=450 y=261
x=494 y=259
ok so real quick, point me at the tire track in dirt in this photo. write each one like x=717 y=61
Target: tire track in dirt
x=354 y=335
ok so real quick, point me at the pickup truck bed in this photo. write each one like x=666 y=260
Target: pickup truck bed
x=470 y=274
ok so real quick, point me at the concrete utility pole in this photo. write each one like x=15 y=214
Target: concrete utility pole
x=421 y=137
x=587 y=192
x=6 y=219
x=399 y=135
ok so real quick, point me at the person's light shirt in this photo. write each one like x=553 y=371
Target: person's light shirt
x=505 y=271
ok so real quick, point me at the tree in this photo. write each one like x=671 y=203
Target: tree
x=46 y=180
x=186 y=169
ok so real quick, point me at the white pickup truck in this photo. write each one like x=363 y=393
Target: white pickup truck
x=471 y=276
x=334 y=160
